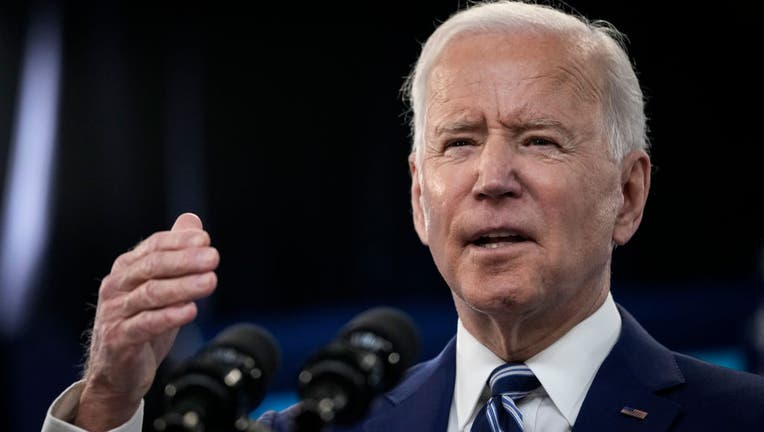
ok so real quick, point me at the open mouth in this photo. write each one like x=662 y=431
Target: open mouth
x=497 y=239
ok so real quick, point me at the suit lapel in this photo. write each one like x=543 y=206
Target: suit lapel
x=422 y=402
x=635 y=370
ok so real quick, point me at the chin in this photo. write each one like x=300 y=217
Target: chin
x=493 y=298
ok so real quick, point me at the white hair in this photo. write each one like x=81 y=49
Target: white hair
x=623 y=104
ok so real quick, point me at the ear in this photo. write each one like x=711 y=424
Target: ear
x=635 y=185
x=416 y=200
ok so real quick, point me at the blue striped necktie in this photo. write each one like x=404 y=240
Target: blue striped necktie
x=509 y=383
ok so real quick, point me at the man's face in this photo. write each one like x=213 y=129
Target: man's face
x=514 y=190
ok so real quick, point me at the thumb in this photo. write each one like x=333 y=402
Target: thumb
x=187 y=221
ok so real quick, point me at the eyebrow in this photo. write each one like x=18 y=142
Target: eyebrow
x=459 y=126
x=523 y=126
x=517 y=127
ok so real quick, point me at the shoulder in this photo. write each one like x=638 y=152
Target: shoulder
x=704 y=396
x=717 y=395
x=719 y=383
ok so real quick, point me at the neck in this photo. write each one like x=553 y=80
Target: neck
x=516 y=336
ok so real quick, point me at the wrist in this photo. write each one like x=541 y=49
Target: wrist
x=100 y=411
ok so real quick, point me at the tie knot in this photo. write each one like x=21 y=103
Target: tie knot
x=512 y=379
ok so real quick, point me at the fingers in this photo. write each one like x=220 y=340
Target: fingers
x=169 y=264
x=165 y=240
x=159 y=265
x=186 y=232
x=150 y=324
x=159 y=293
x=168 y=258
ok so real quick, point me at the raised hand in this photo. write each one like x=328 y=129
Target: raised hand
x=142 y=303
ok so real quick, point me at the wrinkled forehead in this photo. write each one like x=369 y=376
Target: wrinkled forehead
x=560 y=65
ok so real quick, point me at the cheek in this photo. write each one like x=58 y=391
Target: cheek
x=572 y=207
x=589 y=219
x=603 y=197
x=434 y=204
x=441 y=195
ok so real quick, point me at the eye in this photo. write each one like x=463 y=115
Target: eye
x=540 y=141
x=458 y=143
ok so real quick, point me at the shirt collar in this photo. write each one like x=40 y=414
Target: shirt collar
x=565 y=369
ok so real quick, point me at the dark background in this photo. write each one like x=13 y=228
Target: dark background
x=282 y=126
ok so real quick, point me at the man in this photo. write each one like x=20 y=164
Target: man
x=529 y=166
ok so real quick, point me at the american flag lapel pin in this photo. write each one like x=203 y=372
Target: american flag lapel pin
x=633 y=412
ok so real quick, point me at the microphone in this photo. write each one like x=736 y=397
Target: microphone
x=216 y=389
x=367 y=357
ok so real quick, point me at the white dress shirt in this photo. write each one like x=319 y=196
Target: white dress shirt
x=565 y=370
x=64 y=408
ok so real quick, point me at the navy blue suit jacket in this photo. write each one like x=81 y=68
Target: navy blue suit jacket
x=679 y=393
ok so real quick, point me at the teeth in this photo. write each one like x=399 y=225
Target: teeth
x=497 y=239
x=499 y=234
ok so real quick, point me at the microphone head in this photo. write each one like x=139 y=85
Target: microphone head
x=367 y=357
x=389 y=325
x=253 y=341
x=218 y=387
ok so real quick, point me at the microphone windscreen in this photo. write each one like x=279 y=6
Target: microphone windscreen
x=391 y=324
x=253 y=341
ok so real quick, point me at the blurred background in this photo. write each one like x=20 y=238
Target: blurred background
x=282 y=126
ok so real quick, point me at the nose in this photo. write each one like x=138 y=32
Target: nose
x=497 y=172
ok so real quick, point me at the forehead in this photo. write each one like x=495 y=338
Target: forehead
x=509 y=71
